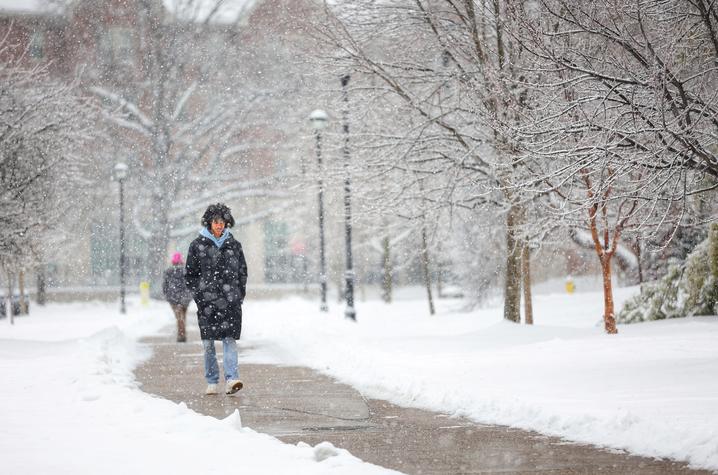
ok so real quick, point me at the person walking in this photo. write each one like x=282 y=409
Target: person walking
x=216 y=273
x=177 y=294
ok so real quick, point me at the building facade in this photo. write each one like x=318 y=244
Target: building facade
x=106 y=45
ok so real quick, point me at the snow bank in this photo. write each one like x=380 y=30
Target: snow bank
x=70 y=405
x=651 y=389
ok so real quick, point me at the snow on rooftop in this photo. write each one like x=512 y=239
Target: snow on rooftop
x=218 y=11
x=30 y=6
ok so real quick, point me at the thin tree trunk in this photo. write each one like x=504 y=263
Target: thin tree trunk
x=638 y=258
x=156 y=260
x=605 y=243
x=425 y=268
x=8 y=300
x=157 y=246
x=609 y=319
x=439 y=280
x=512 y=287
x=526 y=272
x=386 y=281
x=439 y=273
x=41 y=296
x=22 y=297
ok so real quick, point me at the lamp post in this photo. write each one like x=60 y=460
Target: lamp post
x=319 y=119
x=120 y=175
x=349 y=275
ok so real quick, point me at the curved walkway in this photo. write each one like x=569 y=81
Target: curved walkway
x=297 y=404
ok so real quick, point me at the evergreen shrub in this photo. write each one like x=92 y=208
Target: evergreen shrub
x=687 y=289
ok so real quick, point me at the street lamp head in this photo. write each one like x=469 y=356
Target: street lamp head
x=121 y=171
x=318 y=119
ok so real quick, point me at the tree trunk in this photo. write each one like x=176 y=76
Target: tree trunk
x=156 y=260
x=638 y=258
x=425 y=268
x=386 y=281
x=157 y=246
x=22 y=297
x=8 y=300
x=41 y=296
x=609 y=319
x=512 y=287
x=439 y=280
x=526 y=272
x=439 y=273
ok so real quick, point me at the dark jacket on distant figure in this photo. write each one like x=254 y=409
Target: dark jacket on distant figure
x=217 y=276
x=175 y=288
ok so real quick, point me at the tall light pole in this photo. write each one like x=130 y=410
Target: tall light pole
x=350 y=311
x=319 y=119
x=120 y=175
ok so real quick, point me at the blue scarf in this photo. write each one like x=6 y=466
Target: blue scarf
x=217 y=241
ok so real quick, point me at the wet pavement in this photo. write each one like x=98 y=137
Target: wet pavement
x=297 y=404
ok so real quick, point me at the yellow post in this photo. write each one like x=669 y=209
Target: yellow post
x=570 y=286
x=144 y=293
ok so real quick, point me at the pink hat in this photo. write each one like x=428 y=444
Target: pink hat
x=177 y=258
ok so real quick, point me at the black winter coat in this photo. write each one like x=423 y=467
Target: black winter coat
x=174 y=287
x=217 y=278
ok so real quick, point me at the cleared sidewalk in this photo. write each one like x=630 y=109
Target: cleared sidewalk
x=297 y=404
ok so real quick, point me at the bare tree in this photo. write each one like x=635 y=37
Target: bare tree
x=622 y=124
x=43 y=126
x=634 y=81
x=182 y=108
x=449 y=76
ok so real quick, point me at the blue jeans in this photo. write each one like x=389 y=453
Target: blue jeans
x=211 y=369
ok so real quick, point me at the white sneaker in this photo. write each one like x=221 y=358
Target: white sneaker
x=234 y=385
x=211 y=389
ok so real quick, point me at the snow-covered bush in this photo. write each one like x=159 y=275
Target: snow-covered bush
x=713 y=251
x=657 y=300
x=686 y=290
x=697 y=282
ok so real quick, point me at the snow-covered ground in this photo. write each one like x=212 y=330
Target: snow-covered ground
x=69 y=396
x=652 y=389
x=69 y=405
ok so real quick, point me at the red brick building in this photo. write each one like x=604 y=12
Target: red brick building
x=100 y=42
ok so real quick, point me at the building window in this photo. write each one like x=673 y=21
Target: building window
x=281 y=265
x=36 y=48
x=275 y=251
x=122 y=44
x=115 y=47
